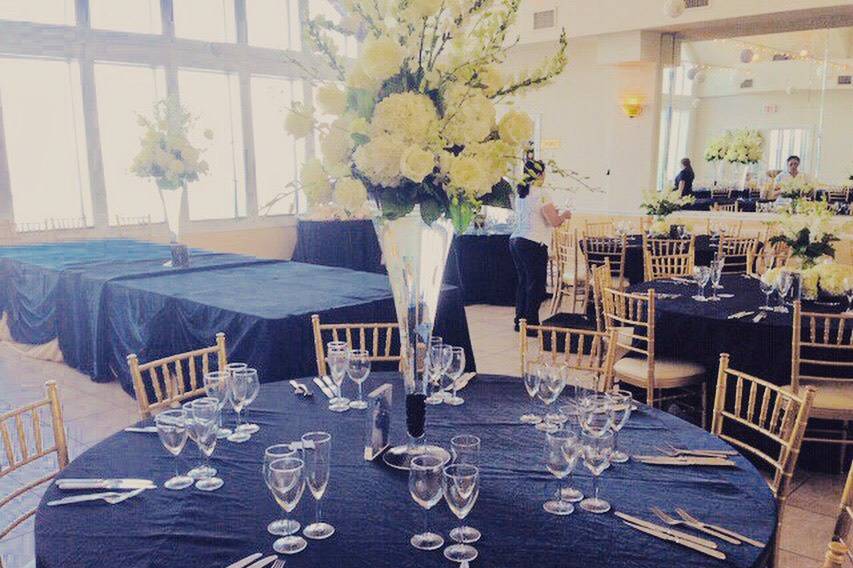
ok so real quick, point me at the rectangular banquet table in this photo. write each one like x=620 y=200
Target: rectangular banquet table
x=105 y=299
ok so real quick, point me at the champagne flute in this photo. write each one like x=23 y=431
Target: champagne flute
x=551 y=384
x=253 y=387
x=337 y=358
x=205 y=426
x=455 y=357
x=596 y=457
x=232 y=368
x=238 y=394
x=434 y=369
x=465 y=449
x=316 y=455
x=531 y=385
x=357 y=371
x=425 y=487
x=280 y=527
x=621 y=402
x=172 y=429
x=216 y=386
x=286 y=482
x=203 y=470
x=461 y=489
x=562 y=449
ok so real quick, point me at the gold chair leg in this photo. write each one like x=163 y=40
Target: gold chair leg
x=704 y=406
x=556 y=298
x=843 y=454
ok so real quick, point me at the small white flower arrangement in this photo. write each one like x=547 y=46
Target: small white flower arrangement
x=806 y=227
x=745 y=147
x=718 y=148
x=660 y=204
x=796 y=187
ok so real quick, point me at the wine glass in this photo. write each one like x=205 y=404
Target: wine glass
x=253 y=387
x=238 y=394
x=286 y=482
x=316 y=455
x=596 y=415
x=216 y=386
x=203 y=470
x=568 y=492
x=783 y=286
x=551 y=383
x=280 y=527
x=465 y=449
x=172 y=429
x=357 y=371
x=716 y=275
x=848 y=290
x=435 y=364
x=531 y=385
x=205 y=426
x=701 y=274
x=425 y=487
x=337 y=357
x=562 y=450
x=621 y=402
x=461 y=489
x=455 y=357
x=767 y=289
x=596 y=457
x=232 y=368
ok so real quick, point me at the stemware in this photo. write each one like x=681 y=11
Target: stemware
x=716 y=275
x=596 y=457
x=205 y=425
x=239 y=388
x=461 y=488
x=783 y=286
x=551 y=383
x=569 y=492
x=848 y=290
x=203 y=470
x=253 y=387
x=337 y=357
x=595 y=415
x=621 y=402
x=232 y=368
x=316 y=455
x=216 y=386
x=280 y=527
x=767 y=289
x=425 y=487
x=172 y=429
x=531 y=385
x=465 y=449
x=357 y=371
x=455 y=357
x=286 y=482
x=701 y=274
x=562 y=450
x=435 y=364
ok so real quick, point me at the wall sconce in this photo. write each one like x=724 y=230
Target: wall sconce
x=632 y=105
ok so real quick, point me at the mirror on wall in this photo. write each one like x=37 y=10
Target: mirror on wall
x=739 y=107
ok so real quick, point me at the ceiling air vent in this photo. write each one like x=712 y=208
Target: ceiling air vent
x=746 y=84
x=696 y=3
x=544 y=20
x=845 y=79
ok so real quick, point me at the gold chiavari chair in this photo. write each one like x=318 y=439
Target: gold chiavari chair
x=725 y=207
x=763 y=409
x=378 y=339
x=571 y=279
x=168 y=382
x=737 y=254
x=633 y=317
x=838 y=548
x=602 y=277
x=667 y=258
x=599 y=229
x=21 y=449
x=598 y=250
x=722 y=227
x=772 y=256
x=822 y=357
x=720 y=192
x=837 y=194
x=583 y=350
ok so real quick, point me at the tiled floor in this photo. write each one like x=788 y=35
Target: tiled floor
x=93 y=411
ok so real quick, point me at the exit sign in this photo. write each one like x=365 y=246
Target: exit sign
x=770 y=109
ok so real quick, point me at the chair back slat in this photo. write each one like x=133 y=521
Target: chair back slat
x=599 y=229
x=667 y=258
x=716 y=226
x=378 y=339
x=821 y=348
x=163 y=383
x=737 y=254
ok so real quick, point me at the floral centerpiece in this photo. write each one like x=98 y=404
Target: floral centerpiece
x=718 y=148
x=824 y=279
x=660 y=205
x=414 y=126
x=745 y=147
x=796 y=188
x=806 y=228
x=168 y=157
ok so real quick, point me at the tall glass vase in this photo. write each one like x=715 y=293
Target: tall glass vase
x=415 y=256
x=174 y=202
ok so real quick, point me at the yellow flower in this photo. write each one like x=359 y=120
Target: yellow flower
x=300 y=121
x=416 y=163
x=467 y=174
x=337 y=143
x=659 y=228
x=381 y=58
x=470 y=115
x=516 y=128
x=410 y=116
x=379 y=159
x=358 y=79
x=315 y=182
x=350 y=194
x=492 y=79
x=359 y=125
x=331 y=99
x=496 y=156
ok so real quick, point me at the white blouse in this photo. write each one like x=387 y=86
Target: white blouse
x=530 y=223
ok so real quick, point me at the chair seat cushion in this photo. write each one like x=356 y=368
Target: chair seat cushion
x=569 y=275
x=831 y=401
x=669 y=373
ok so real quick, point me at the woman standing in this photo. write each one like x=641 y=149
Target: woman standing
x=535 y=215
x=684 y=179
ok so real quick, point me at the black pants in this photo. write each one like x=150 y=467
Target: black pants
x=531 y=264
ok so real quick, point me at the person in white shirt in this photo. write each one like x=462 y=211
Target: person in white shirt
x=792 y=172
x=535 y=216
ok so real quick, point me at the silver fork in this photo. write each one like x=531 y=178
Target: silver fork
x=278 y=563
x=672 y=521
x=671 y=450
x=691 y=519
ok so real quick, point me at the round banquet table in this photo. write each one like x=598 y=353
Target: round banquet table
x=370 y=506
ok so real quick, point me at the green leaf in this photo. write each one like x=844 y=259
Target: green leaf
x=431 y=210
x=461 y=214
x=360 y=139
x=361 y=101
x=396 y=204
x=499 y=196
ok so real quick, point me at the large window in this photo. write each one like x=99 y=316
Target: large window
x=675 y=126
x=277 y=154
x=786 y=142
x=45 y=139
x=124 y=92
x=41 y=11
x=274 y=24
x=214 y=98
x=206 y=20
x=140 y=16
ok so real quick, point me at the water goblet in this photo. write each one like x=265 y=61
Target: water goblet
x=562 y=450
x=337 y=358
x=316 y=455
x=551 y=383
x=239 y=388
x=531 y=385
x=461 y=484
x=455 y=357
x=767 y=288
x=203 y=470
x=596 y=457
x=596 y=415
x=280 y=527
x=253 y=388
x=621 y=403
x=205 y=426
x=783 y=286
x=425 y=487
x=216 y=386
x=701 y=274
x=357 y=371
x=172 y=429
x=435 y=364
x=286 y=482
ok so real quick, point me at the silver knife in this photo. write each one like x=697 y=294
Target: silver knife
x=142 y=429
x=666 y=536
x=666 y=530
x=110 y=497
x=264 y=561
x=66 y=484
x=245 y=561
x=331 y=384
x=323 y=388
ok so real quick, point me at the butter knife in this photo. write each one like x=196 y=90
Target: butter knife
x=68 y=483
x=704 y=542
x=245 y=561
x=668 y=537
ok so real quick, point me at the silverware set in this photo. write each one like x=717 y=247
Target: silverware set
x=252 y=561
x=112 y=497
x=300 y=389
x=673 y=456
x=326 y=386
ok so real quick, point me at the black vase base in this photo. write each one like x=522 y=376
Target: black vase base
x=400 y=458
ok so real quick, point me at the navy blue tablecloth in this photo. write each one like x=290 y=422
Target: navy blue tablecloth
x=370 y=505
x=347 y=244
